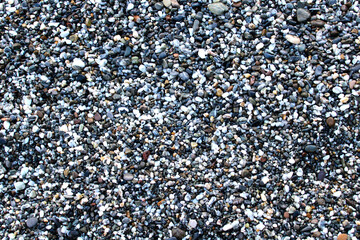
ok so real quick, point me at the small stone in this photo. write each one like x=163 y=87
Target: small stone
x=316 y=234
x=74 y=38
x=167 y=3
x=337 y=90
x=317 y=23
x=31 y=222
x=321 y=175
x=218 y=8
x=19 y=186
x=352 y=84
x=178 y=233
x=330 y=121
x=202 y=53
x=286 y=215
x=302 y=14
x=146 y=155
x=231 y=225
x=88 y=22
x=318 y=70
x=311 y=148
x=97 y=117
x=342 y=236
x=245 y=173
x=135 y=60
x=78 y=64
x=175 y=3
x=158 y=6
x=219 y=92
x=293 y=39
x=128 y=177
x=192 y=223
x=320 y=201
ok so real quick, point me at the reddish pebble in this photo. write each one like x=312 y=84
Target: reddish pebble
x=286 y=215
x=146 y=155
x=342 y=236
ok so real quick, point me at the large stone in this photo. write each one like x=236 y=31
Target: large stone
x=302 y=14
x=218 y=8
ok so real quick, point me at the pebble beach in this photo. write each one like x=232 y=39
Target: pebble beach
x=179 y=120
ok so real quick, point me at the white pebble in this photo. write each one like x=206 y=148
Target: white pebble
x=202 y=53
x=19 y=186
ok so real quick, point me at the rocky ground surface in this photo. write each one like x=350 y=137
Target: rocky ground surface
x=179 y=119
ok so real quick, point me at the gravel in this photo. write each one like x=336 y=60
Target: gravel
x=176 y=119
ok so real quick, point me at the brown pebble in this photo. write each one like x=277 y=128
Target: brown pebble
x=97 y=117
x=77 y=121
x=90 y=120
x=344 y=8
x=146 y=155
x=330 y=122
x=230 y=88
x=317 y=23
x=317 y=234
x=286 y=215
x=263 y=159
x=342 y=236
x=40 y=114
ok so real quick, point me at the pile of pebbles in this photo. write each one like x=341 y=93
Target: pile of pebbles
x=175 y=119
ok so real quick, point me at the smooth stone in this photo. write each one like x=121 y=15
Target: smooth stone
x=81 y=78
x=218 y=8
x=128 y=177
x=342 y=236
x=184 y=76
x=330 y=121
x=78 y=63
x=196 y=25
x=202 y=53
x=19 y=186
x=293 y=39
x=178 y=233
x=167 y=3
x=321 y=175
x=311 y=148
x=318 y=70
x=318 y=23
x=31 y=222
x=2 y=141
x=127 y=51
x=158 y=6
x=302 y=14
x=97 y=117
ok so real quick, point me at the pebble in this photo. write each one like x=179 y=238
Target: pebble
x=128 y=177
x=293 y=39
x=342 y=236
x=78 y=63
x=311 y=148
x=31 y=222
x=317 y=23
x=202 y=53
x=321 y=175
x=19 y=186
x=178 y=233
x=218 y=8
x=330 y=121
x=302 y=14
